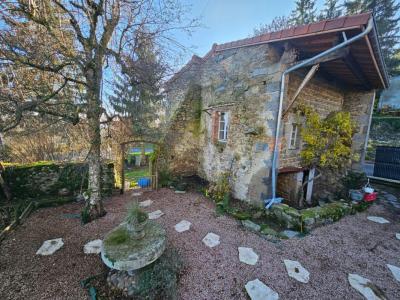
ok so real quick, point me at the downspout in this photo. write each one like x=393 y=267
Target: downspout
x=306 y=62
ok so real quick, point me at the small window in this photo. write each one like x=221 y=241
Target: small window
x=294 y=137
x=223 y=127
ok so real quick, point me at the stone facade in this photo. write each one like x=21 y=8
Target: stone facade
x=244 y=83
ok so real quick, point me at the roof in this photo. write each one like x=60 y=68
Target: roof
x=341 y=23
x=362 y=68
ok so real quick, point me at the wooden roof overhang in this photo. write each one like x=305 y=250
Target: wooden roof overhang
x=361 y=68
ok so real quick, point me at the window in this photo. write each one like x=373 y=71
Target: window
x=223 y=126
x=294 y=137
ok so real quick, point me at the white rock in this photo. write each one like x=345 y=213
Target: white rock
x=247 y=256
x=398 y=236
x=290 y=233
x=155 y=214
x=257 y=290
x=180 y=192
x=379 y=220
x=211 y=240
x=183 y=226
x=362 y=285
x=145 y=203
x=137 y=194
x=50 y=246
x=296 y=271
x=395 y=271
x=93 y=247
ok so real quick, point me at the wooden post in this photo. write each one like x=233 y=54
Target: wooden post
x=310 y=185
x=122 y=166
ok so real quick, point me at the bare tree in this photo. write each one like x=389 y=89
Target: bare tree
x=72 y=43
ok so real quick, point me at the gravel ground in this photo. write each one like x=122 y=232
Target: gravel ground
x=352 y=245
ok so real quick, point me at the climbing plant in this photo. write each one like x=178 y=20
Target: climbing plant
x=327 y=142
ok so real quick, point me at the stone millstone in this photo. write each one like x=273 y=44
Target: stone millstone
x=297 y=271
x=363 y=286
x=257 y=290
x=247 y=256
x=121 y=252
x=379 y=220
x=50 y=246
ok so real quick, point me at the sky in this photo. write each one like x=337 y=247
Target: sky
x=229 y=20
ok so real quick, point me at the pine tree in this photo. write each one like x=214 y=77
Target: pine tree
x=304 y=13
x=135 y=95
x=331 y=10
x=387 y=18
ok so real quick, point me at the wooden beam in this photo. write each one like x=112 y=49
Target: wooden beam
x=338 y=54
x=355 y=68
x=306 y=79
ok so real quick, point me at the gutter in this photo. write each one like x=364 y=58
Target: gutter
x=274 y=199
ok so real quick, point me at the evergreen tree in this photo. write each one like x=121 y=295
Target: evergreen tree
x=387 y=18
x=304 y=13
x=331 y=10
x=278 y=23
x=135 y=95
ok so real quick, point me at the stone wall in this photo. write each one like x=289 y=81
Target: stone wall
x=180 y=151
x=319 y=95
x=244 y=83
x=47 y=179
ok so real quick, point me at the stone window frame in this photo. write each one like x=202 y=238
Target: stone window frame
x=294 y=137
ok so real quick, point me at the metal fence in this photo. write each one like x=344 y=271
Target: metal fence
x=387 y=162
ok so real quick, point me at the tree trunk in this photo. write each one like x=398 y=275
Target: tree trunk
x=143 y=155
x=95 y=204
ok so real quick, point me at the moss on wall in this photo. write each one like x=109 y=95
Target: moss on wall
x=48 y=178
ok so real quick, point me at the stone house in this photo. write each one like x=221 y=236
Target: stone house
x=224 y=107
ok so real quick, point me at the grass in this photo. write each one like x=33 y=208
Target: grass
x=135 y=174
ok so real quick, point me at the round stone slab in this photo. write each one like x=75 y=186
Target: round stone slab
x=121 y=252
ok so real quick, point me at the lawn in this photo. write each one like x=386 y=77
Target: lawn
x=136 y=173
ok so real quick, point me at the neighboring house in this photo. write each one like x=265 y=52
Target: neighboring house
x=224 y=107
x=390 y=98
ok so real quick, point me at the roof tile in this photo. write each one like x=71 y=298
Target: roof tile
x=357 y=20
x=300 y=30
x=316 y=27
x=334 y=24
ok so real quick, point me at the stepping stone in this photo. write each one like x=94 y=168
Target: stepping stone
x=183 y=226
x=398 y=236
x=290 y=233
x=137 y=194
x=211 y=240
x=251 y=225
x=379 y=220
x=145 y=203
x=257 y=290
x=297 y=271
x=155 y=214
x=50 y=246
x=180 y=192
x=363 y=286
x=93 y=247
x=247 y=256
x=395 y=271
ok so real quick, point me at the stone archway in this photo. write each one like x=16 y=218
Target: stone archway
x=153 y=164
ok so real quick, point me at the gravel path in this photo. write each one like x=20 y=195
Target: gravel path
x=352 y=245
